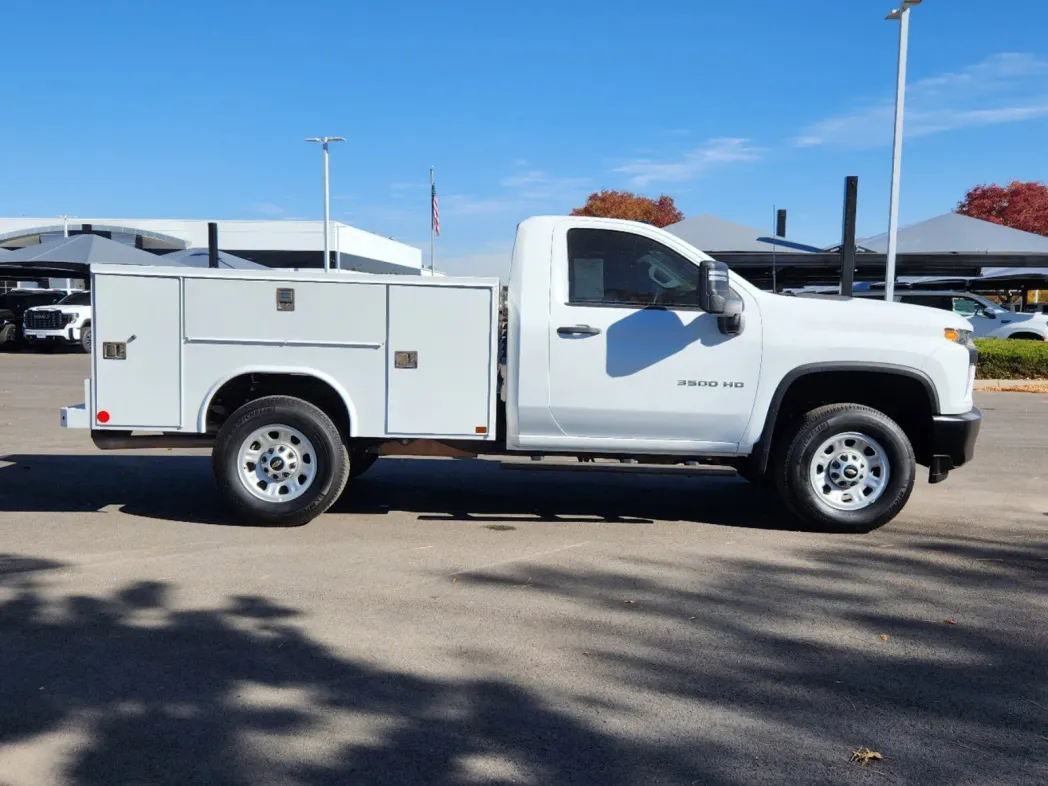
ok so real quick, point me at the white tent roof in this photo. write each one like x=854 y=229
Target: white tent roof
x=956 y=234
x=711 y=234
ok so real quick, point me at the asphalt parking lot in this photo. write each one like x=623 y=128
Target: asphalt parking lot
x=452 y=623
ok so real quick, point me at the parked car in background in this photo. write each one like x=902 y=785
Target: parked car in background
x=13 y=305
x=988 y=319
x=66 y=322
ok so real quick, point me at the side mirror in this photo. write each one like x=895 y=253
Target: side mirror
x=709 y=293
x=732 y=321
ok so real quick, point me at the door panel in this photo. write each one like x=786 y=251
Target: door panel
x=618 y=371
x=446 y=389
x=144 y=389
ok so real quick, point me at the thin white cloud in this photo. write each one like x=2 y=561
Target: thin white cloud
x=466 y=205
x=1003 y=88
x=525 y=178
x=265 y=209
x=692 y=164
x=522 y=191
x=535 y=185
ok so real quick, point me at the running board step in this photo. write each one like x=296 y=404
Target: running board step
x=617 y=468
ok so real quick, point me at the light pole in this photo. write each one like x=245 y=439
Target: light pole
x=327 y=196
x=902 y=15
x=65 y=233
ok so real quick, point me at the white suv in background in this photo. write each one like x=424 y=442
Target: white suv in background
x=68 y=322
x=988 y=319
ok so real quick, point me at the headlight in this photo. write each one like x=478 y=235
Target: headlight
x=69 y=318
x=957 y=336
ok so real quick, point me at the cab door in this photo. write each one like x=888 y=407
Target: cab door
x=632 y=357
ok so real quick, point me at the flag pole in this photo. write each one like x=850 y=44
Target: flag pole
x=432 y=186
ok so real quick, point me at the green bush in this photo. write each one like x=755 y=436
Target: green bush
x=1008 y=358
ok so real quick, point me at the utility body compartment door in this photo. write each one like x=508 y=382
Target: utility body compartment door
x=441 y=361
x=140 y=319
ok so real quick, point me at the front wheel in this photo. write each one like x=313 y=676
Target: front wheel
x=848 y=468
x=85 y=339
x=280 y=461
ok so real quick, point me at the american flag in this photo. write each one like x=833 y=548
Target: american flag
x=435 y=210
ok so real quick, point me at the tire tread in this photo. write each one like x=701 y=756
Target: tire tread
x=243 y=506
x=797 y=439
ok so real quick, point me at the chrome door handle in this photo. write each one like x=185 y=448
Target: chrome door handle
x=578 y=330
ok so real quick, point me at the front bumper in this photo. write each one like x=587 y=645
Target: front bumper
x=69 y=335
x=953 y=442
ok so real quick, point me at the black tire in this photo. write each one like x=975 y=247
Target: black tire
x=9 y=333
x=360 y=462
x=796 y=453
x=332 y=461
x=85 y=339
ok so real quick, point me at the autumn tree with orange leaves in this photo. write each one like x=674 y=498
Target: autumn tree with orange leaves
x=659 y=212
x=1018 y=205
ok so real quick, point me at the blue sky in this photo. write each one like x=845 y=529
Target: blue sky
x=199 y=110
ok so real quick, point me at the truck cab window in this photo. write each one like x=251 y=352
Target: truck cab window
x=607 y=267
x=966 y=307
x=943 y=302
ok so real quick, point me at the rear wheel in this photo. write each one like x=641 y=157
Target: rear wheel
x=85 y=339
x=848 y=468
x=280 y=461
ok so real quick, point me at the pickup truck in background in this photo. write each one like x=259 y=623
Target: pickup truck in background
x=13 y=305
x=988 y=320
x=66 y=322
x=621 y=341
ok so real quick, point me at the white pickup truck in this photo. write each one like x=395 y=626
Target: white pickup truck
x=66 y=322
x=618 y=341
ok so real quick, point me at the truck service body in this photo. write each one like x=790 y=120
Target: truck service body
x=618 y=340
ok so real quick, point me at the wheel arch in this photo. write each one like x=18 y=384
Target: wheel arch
x=279 y=375
x=779 y=413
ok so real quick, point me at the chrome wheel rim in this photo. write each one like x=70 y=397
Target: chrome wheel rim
x=849 y=471
x=277 y=463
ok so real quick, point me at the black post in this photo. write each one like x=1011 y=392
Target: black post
x=212 y=244
x=780 y=223
x=851 y=200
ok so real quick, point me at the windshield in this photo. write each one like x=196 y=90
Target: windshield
x=989 y=305
x=76 y=299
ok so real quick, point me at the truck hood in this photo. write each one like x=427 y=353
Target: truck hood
x=78 y=310
x=862 y=314
x=1041 y=320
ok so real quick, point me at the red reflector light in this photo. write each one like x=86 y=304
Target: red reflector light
x=102 y=416
x=481 y=429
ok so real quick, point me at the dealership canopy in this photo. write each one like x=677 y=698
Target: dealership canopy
x=198 y=257
x=72 y=255
x=953 y=233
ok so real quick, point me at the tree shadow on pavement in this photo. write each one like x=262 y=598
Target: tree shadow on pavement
x=150 y=693
x=933 y=651
x=746 y=672
x=181 y=488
